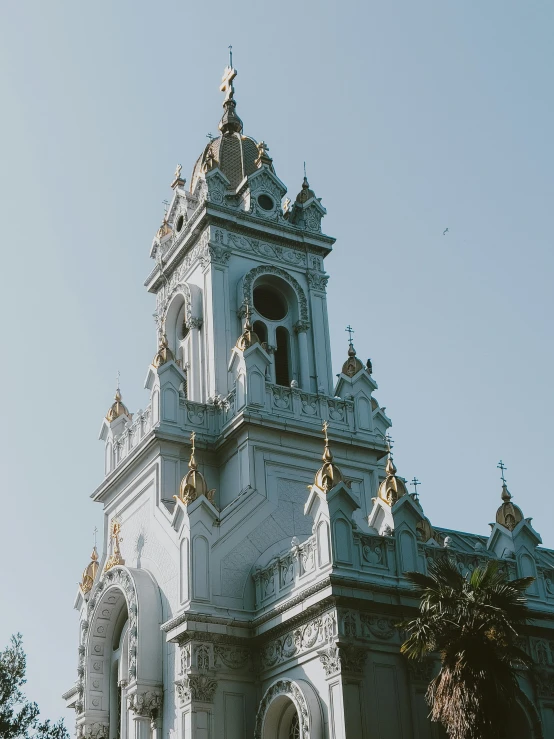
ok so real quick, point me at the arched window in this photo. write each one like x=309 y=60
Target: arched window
x=282 y=357
x=294 y=730
x=261 y=330
x=118 y=683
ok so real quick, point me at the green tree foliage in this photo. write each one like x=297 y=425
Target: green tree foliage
x=19 y=719
x=473 y=624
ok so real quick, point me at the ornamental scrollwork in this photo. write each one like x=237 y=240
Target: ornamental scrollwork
x=251 y=277
x=147 y=704
x=292 y=691
x=96 y=730
x=318 y=281
x=380 y=627
x=196 y=688
x=315 y=633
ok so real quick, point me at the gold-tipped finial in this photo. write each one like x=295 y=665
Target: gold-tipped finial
x=117 y=408
x=178 y=181
x=194 y=483
x=392 y=488
x=91 y=570
x=164 y=353
x=329 y=475
x=263 y=156
x=352 y=365
x=508 y=515
x=230 y=122
x=248 y=336
x=115 y=557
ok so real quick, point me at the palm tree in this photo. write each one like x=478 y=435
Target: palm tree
x=473 y=624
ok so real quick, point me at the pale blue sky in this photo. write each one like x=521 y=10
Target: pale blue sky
x=412 y=117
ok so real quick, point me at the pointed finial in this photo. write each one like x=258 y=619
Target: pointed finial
x=329 y=474
x=94 y=533
x=230 y=55
x=230 y=122
x=415 y=482
x=248 y=336
x=178 y=181
x=115 y=558
x=501 y=466
x=192 y=461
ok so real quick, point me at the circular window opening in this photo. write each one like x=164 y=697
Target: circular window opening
x=270 y=303
x=265 y=202
x=180 y=222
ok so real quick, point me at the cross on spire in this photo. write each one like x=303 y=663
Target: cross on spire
x=118 y=379
x=192 y=441
x=415 y=482
x=227 y=83
x=324 y=428
x=94 y=532
x=230 y=55
x=390 y=443
x=501 y=466
x=349 y=331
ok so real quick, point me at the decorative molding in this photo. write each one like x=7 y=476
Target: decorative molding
x=317 y=281
x=232 y=657
x=96 y=730
x=196 y=688
x=147 y=704
x=263 y=269
x=378 y=626
x=298 y=641
x=337 y=658
x=285 y=254
x=292 y=691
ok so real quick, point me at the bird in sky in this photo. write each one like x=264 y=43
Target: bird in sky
x=445 y=232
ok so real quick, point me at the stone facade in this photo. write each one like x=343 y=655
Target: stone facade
x=270 y=607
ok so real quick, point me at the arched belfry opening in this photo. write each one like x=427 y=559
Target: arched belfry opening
x=282 y=357
x=276 y=311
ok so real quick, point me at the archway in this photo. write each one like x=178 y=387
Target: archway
x=120 y=655
x=289 y=710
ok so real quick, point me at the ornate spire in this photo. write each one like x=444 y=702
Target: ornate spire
x=194 y=484
x=230 y=122
x=508 y=515
x=164 y=353
x=117 y=408
x=329 y=474
x=352 y=365
x=248 y=336
x=115 y=558
x=392 y=488
x=89 y=574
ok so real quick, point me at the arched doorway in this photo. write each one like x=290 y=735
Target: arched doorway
x=289 y=710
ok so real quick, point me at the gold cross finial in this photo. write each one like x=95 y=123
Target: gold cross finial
x=192 y=441
x=227 y=83
x=324 y=429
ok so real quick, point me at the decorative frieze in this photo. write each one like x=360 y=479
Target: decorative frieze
x=299 y=641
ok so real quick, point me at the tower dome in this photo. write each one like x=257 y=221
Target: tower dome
x=234 y=153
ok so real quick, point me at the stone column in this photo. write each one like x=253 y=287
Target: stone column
x=141 y=727
x=301 y=329
x=147 y=709
x=194 y=379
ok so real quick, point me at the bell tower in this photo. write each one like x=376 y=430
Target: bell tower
x=208 y=485
x=228 y=241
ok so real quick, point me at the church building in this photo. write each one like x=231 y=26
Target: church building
x=256 y=530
